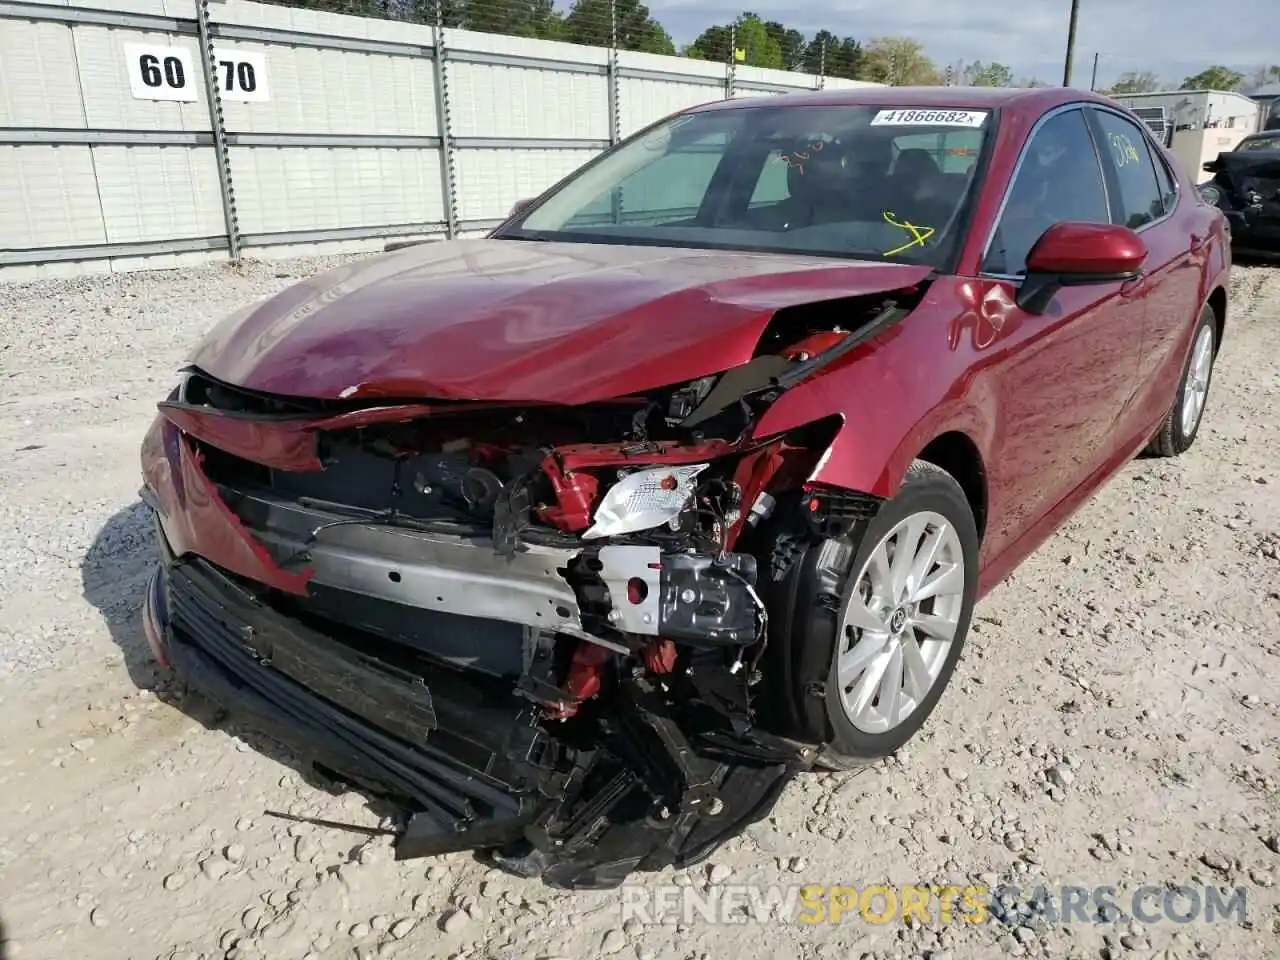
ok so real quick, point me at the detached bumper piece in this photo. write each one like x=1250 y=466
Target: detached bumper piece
x=580 y=803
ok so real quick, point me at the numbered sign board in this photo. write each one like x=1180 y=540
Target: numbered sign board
x=161 y=72
x=242 y=75
x=158 y=72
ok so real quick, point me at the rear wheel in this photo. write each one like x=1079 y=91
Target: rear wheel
x=1178 y=431
x=877 y=621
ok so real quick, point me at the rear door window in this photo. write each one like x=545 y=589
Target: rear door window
x=1125 y=151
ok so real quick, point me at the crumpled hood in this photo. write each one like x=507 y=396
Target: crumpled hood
x=515 y=320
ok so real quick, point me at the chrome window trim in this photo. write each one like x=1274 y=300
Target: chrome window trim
x=1057 y=111
x=1155 y=158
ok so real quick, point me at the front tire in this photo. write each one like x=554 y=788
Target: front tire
x=877 y=621
x=1182 y=423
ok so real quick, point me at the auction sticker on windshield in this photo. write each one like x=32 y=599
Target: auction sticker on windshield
x=931 y=118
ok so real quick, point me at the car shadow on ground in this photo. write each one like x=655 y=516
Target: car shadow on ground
x=114 y=574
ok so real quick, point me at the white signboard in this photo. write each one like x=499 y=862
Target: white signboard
x=242 y=75
x=159 y=72
x=929 y=118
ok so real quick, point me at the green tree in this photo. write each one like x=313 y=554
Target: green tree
x=897 y=60
x=1216 y=77
x=979 y=74
x=589 y=22
x=712 y=43
x=760 y=48
x=355 y=8
x=845 y=60
x=790 y=42
x=828 y=54
x=750 y=36
x=818 y=51
x=1143 y=81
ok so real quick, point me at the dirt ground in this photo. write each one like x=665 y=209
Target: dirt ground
x=1114 y=721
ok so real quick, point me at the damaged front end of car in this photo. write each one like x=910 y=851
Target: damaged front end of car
x=539 y=629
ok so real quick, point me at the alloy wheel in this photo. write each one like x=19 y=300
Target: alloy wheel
x=900 y=621
x=1196 y=389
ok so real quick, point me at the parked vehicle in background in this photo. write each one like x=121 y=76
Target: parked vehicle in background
x=1246 y=187
x=580 y=540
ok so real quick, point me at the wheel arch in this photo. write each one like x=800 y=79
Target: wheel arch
x=957 y=454
x=1218 y=304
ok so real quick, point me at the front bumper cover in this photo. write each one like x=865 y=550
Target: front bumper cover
x=471 y=765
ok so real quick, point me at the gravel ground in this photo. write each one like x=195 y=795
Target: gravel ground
x=1114 y=721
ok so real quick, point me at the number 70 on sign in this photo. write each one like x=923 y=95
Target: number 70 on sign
x=242 y=74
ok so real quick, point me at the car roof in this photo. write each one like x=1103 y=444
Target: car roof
x=1033 y=100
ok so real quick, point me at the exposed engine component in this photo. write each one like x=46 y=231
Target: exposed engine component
x=579 y=583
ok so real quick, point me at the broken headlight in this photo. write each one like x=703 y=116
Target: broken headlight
x=684 y=400
x=643 y=500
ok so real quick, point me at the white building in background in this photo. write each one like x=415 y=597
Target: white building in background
x=1268 y=97
x=1196 y=125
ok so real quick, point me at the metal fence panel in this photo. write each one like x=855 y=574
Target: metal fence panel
x=155 y=131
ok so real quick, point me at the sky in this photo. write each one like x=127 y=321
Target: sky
x=1173 y=38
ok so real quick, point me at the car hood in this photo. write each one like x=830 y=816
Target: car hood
x=510 y=320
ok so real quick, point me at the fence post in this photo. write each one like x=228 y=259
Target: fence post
x=822 y=64
x=615 y=104
x=730 y=70
x=448 y=179
x=218 y=126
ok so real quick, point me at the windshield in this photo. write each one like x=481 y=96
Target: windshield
x=848 y=181
x=1260 y=143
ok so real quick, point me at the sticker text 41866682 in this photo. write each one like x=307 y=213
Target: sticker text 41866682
x=929 y=118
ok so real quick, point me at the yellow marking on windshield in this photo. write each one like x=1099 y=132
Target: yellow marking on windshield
x=918 y=234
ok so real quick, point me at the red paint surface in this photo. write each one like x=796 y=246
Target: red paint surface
x=1090 y=248
x=196 y=521
x=1053 y=403
x=281 y=445
x=507 y=321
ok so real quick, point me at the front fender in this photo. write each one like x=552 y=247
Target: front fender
x=888 y=419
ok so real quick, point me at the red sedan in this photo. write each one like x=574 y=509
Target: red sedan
x=581 y=539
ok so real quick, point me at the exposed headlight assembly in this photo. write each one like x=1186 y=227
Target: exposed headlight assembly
x=643 y=500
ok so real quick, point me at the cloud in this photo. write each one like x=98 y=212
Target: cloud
x=1173 y=38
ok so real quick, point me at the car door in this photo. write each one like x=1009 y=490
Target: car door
x=1143 y=197
x=1063 y=374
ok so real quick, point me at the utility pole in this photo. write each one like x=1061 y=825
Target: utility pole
x=1071 y=43
x=1093 y=82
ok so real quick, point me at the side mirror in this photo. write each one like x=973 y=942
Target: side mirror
x=1210 y=166
x=1075 y=254
x=520 y=206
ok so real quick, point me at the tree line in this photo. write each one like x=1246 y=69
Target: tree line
x=1216 y=77
x=750 y=40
